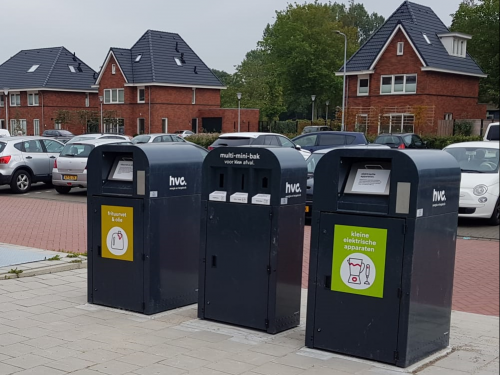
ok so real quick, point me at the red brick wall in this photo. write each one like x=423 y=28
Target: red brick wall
x=50 y=102
x=448 y=93
x=249 y=119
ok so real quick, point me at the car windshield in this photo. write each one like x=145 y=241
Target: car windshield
x=141 y=139
x=2 y=146
x=65 y=133
x=76 y=150
x=232 y=141
x=475 y=159
x=312 y=162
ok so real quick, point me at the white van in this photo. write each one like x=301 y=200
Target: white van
x=4 y=133
x=491 y=132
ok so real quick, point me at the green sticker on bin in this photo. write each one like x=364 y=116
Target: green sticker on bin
x=358 y=265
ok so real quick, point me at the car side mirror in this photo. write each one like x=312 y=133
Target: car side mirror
x=297 y=147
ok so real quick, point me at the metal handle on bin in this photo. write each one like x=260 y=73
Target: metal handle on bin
x=214 y=261
x=328 y=282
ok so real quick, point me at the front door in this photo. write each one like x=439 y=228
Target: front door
x=117 y=249
x=358 y=285
x=237 y=257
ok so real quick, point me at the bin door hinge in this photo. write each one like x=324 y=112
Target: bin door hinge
x=266 y=322
x=268 y=270
x=396 y=355
x=400 y=293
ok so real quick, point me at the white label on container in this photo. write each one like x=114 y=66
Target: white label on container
x=153 y=194
x=239 y=198
x=371 y=180
x=219 y=196
x=420 y=212
x=284 y=200
x=264 y=199
x=124 y=171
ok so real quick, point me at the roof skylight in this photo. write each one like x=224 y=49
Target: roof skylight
x=178 y=61
x=426 y=38
x=138 y=58
x=33 y=68
x=71 y=68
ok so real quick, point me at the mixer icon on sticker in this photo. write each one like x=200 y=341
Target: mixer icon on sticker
x=358 y=271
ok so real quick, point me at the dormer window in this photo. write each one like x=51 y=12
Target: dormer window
x=33 y=68
x=455 y=43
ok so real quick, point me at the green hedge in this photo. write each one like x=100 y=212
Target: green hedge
x=203 y=139
x=438 y=143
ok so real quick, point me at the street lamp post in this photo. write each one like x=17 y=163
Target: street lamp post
x=313 y=97
x=343 y=85
x=239 y=109
x=6 y=103
x=326 y=116
x=102 y=125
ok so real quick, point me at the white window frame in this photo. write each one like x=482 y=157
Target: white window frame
x=359 y=82
x=404 y=92
x=401 y=48
x=164 y=125
x=113 y=69
x=2 y=100
x=193 y=97
x=57 y=125
x=87 y=100
x=448 y=116
x=13 y=125
x=17 y=99
x=139 y=94
x=36 y=126
x=401 y=123
x=364 y=123
x=33 y=99
x=109 y=99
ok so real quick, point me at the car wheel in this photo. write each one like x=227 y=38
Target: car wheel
x=21 y=182
x=495 y=216
x=63 y=189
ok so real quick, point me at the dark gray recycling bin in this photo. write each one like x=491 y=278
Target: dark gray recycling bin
x=252 y=231
x=143 y=226
x=382 y=253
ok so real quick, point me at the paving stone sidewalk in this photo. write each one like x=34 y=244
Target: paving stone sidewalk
x=46 y=328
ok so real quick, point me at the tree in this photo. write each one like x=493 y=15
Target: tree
x=88 y=119
x=481 y=20
x=63 y=116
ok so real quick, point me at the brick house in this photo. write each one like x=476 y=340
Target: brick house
x=45 y=89
x=412 y=73
x=161 y=85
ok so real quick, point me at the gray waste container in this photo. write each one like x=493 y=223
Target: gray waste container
x=382 y=253
x=252 y=234
x=143 y=226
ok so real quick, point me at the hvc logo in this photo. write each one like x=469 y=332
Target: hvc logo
x=177 y=181
x=292 y=188
x=438 y=196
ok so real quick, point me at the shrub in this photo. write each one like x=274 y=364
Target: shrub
x=438 y=143
x=203 y=139
x=463 y=128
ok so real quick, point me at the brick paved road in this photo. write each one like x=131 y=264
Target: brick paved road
x=54 y=225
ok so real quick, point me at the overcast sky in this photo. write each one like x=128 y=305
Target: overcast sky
x=221 y=32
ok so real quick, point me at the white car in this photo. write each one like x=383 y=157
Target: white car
x=479 y=188
x=157 y=138
x=90 y=136
x=255 y=138
x=184 y=133
x=491 y=133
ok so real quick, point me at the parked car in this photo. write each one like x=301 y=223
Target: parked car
x=70 y=167
x=328 y=139
x=86 y=137
x=243 y=139
x=4 y=133
x=26 y=160
x=155 y=138
x=59 y=134
x=312 y=129
x=492 y=132
x=401 y=141
x=312 y=162
x=479 y=189
x=184 y=133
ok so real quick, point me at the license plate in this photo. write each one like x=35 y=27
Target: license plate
x=307 y=208
x=70 y=177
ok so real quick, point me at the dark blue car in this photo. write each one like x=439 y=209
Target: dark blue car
x=325 y=139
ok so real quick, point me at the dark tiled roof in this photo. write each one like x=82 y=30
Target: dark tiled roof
x=157 y=64
x=53 y=72
x=416 y=20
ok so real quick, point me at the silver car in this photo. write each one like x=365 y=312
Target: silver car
x=86 y=137
x=26 y=160
x=70 y=168
x=156 y=138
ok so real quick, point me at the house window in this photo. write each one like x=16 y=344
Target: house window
x=141 y=126
x=113 y=69
x=33 y=99
x=141 y=95
x=72 y=69
x=178 y=61
x=114 y=126
x=397 y=123
x=138 y=58
x=363 y=85
x=87 y=100
x=17 y=126
x=2 y=101
x=57 y=125
x=448 y=116
x=399 y=84
x=164 y=125
x=36 y=127
x=33 y=68
x=193 y=98
x=426 y=38
x=113 y=96
x=15 y=100
x=401 y=47
x=361 y=123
